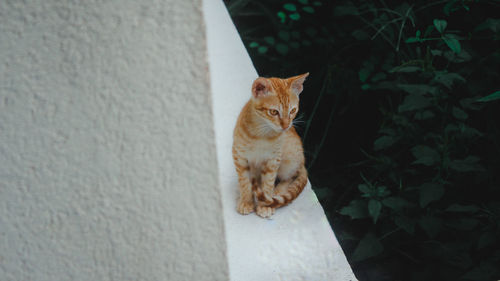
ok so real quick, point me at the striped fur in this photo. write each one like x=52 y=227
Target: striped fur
x=283 y=198
x=266 y=147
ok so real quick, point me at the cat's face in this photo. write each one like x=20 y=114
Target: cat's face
x=276 y=100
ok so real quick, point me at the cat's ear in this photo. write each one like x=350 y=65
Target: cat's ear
x=260 y=87
x=296 y=83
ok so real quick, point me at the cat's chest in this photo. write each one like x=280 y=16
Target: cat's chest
x=261 y=151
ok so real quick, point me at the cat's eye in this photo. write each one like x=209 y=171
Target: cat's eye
x=293 y=110
x=273 y=112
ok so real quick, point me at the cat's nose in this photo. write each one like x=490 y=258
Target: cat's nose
x=285 y=125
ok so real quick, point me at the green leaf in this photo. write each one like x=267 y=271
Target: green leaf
x=469 y=164
x=285 y=35
x=365 y=71
x=323 y=192
x=282 y=48
x=368 y=247
x=304 y=2
x=460 y=259
x=412 y=40
x=470 y=132
x=406 y=223
x=471 y=103
x=459 y=113
x=295 y=16
x=493 y=207
x=360 y=35
x=462 y=130
x=374 y=208
x=290 y=7
x=383 y=142
x=253 y=44
x=311 y=31
x=262 y=49
x=418 y=34
x=485 y=271
x=452 y=42
x=431 y=225
x=387 y=131
x=379 y=76
x=420 y=89
x=344 y=235
x=436 y=52
x=457 y=208
x=430 y=192
x=494 y=96
x=382 y=191
x=363 y=74
x=428 y=30
x=235 y=6
x=349 y=10
x=486 y=239
x=396 y=203
x=364 y=188
x=425 y=155
x=489 y=23
x=450 y=7
x=463 y=56
x=451 y=128
x=464 y=224
x=423 y=115
x=270 y=40
x=317 y=3
x=448 y=79
x=282 y=16
x=407 y=69
x=440 y=25
x=308 y=9
x=357 y=209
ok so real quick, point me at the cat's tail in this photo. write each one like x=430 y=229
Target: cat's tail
x=292 y=191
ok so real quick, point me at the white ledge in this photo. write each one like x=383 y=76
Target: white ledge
x=297 y=243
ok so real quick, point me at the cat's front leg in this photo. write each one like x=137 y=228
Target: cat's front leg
x=245 y=203
x=264 y=194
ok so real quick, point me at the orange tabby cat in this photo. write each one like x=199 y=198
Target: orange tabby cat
x=266 y=147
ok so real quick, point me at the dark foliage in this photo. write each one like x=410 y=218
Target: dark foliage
x=401 y=126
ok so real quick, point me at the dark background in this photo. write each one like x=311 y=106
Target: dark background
x=401 y=126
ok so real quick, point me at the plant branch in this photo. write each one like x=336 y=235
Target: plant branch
x=316 y=152
x=376 y=29
x=315 y=108
x=402 y=26
x=406 y=255
x=384 y=26
x=430 y=5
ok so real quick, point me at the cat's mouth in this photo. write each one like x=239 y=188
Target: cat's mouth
x=279 y=128
x=282 y=130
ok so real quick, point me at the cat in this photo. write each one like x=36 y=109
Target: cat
x=267 y=151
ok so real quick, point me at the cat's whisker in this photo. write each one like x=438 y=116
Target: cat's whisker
x=297 y=123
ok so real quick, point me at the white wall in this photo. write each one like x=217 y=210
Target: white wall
x=108 y=165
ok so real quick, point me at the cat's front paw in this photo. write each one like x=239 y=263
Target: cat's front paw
x=245 y=208
x=264 y=211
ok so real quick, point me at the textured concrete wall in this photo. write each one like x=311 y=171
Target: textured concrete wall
x=108 y=166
